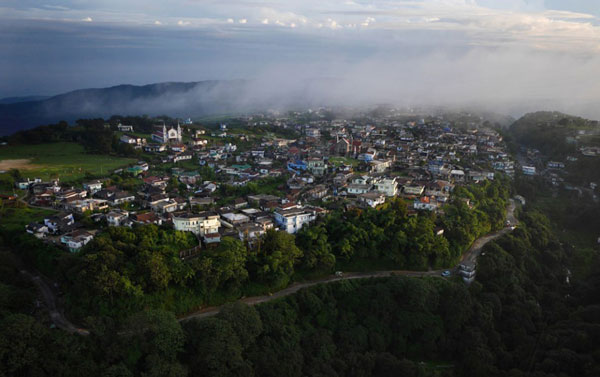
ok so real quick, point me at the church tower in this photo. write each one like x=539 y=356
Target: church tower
x=179 y=134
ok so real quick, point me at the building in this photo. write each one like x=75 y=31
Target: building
x=316 y=166
x=60 y=223
x=93 y=186
x=467 y=270
x=425 y=203
x=117 y=218
x=528 y=170
x=416 y=190
x=293 y=219
x=74 y=241
x=124 y=128
x=372 y=199
x=201 y=224
x=387 y=186
x=164 y=136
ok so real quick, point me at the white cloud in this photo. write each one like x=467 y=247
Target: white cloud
x=242 y=21
x=87 y=19
x=265 y=21
x=230 y=20
x=157 y=22
x=183 y=23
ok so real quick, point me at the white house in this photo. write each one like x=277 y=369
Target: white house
x=425 y=203
x=200 y=224
x=116 y=218
x=372 y=199
x=387 y=186
x=293 y=219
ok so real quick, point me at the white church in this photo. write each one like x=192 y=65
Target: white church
x=164 y=136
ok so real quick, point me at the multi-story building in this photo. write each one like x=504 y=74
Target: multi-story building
x=202 y=224
x=293 y=219
x=387 y=186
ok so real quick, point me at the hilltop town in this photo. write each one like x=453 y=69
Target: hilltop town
x=222 y=181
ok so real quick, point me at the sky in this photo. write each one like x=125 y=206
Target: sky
x=516 y=55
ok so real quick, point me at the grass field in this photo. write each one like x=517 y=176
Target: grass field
x=17 y=217
x=67 y=161
x=337 y=161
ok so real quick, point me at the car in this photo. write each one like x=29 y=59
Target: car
x=446 y=273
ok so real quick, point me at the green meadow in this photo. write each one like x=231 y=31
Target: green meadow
x=67 y=161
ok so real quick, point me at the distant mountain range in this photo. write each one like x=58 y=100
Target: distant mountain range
x=173 y=98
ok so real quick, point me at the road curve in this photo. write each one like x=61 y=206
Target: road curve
x=470 y=255
x=56 y=315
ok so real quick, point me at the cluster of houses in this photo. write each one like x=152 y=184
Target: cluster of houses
x=360 y=163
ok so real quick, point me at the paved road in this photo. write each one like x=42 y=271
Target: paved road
x=470 y=255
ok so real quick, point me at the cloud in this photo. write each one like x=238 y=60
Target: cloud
x=87 y=19
x=157 y=22
x=183 y=23
x=230 y=20
x=242 y=21
x=265 y=21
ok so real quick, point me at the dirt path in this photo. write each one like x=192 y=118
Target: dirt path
x=470 y=255
x=20 y=163
x=49 y=296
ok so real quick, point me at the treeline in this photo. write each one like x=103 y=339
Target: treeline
x=389 y=234
x=125 y=269
x=520 y=318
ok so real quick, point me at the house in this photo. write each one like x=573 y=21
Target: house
x=155 y=148
x=124 y=128
x=380 y=166
x=240 y=203
x=76 y=240
x=121 y=197
x=147 y=218
x=416 y=190
x=293 y=219
x=81 y=206
x=528 y=170
x=372 y=199
x=93 y=186
x=250 y=232
x=316 y=166
x=38 y=230
x=203 y=223
x=317 y=192
x=387 y=186
x=165 y=206
x=457 y=175
x=231 y=219
x=358 y=189
x=60 y=223
x=117 y=218
x=134 y=141
x=425 y=203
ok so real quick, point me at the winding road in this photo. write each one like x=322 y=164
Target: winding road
x=60 y=321
x=471 y=255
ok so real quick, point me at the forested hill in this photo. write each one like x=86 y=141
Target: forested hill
x=549 y=132
x=175 y=98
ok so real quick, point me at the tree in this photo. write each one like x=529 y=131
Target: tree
x=275 y=256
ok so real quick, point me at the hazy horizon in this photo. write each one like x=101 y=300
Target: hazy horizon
x=507 y=56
